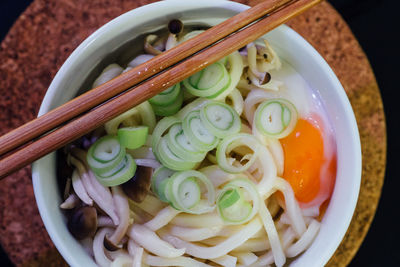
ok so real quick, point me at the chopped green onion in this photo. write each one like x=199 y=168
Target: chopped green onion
x=276 y=118
x=162 y=126
x=232 y=204
x=197 y=133
x=228 y=144
x=105 y=154
x=133 y=137
x=170 y=109
x=220 y=119
x=170 y=160
x=208 y=82
x=180 y=145
x=159 y=180
x=183 y=192
x=124 y=171
x=166 y=97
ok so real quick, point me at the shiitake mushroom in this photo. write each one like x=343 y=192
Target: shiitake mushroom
x=138 y=187
x=82 y=222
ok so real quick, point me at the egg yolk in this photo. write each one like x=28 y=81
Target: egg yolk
x=304 y=158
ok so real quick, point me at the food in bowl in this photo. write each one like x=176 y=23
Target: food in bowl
x=233 y=166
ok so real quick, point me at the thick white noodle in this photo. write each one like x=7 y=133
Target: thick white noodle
x=122 y=260
x=178 y=261
x=98 y=247
x=254 y=245
x=109 y=73
x=217 y=175
x=273 y=237
x=275 y=148
x=305 y=241
x=105 y=221
x=221 y=249
x=80 y=189
x=136 y=252
x=122 y=207
x=149 y=240
x=194 y=234
x=245 y=258
x=189 y=220
x=140 y=59
x=269 y=170
x=292 y=206
x=162 y=218
x=226 y=261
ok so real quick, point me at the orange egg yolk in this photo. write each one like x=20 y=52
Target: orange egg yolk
x=304 y=158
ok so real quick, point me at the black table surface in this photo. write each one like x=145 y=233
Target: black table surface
x=375 y=25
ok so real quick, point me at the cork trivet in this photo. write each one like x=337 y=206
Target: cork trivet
x=48 y=31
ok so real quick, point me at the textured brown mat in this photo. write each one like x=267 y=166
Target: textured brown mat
x=48 y=31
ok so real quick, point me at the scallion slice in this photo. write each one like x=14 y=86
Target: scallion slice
x=133 y=137
x=228 y=144
x=220 y=119
x=276 y=118
x=180 y=145
x=170 y=160
x=184 y=192
x=197 y=133
x=232 y=204
x=105 y=154
x=124 y=171
x=169 y=109
x=167 y=97
x=159 y=180
x=208 y=82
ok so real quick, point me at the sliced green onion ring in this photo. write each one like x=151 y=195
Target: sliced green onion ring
x=170 y=160
x=228 y=144
x=105 y=154
x=169 y=109
x=133 y=137
x=180 y=145
x=184 y=192
x=162 y=126
x=220 y=119
x=208 y=82
x=124 y=171
x=232 y=204
x=197 y=133
x=158 y=182
x=276 y=118
x=166 y=97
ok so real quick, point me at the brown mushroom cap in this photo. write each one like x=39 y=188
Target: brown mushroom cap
x=138 y=187
x=175 y=26
x=82 y=222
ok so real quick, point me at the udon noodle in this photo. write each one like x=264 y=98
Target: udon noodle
x=205 y=173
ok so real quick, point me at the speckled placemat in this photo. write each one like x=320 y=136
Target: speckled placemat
x=48 y=31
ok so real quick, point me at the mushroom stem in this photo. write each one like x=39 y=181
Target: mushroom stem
x=122 y=204
x=71 y=202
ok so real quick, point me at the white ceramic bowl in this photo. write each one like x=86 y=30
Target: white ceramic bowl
x=292 y=48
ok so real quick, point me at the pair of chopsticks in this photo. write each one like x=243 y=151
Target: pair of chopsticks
x=85 y=113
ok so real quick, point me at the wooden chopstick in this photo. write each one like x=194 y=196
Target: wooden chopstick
x=96 y=96
x=103 y=113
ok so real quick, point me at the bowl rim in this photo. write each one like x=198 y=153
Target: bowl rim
x=45 y=214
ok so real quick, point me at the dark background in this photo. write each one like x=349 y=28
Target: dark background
x=375 y=25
